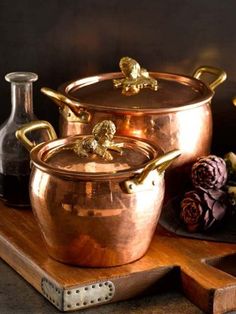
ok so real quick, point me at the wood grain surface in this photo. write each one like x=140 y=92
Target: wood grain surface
x=202 y=269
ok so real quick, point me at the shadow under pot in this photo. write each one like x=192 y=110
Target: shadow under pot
x=97 y=198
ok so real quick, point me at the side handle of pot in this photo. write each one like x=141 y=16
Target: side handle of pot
x=219 y=73
x=160 y=164
x=73 y=109
x=33 y=126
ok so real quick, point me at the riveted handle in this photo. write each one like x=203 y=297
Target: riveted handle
x=160 y=164
x=219 y=73
x=33 y=126
x=62 y=101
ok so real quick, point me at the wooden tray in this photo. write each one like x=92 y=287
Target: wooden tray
x=205 y=270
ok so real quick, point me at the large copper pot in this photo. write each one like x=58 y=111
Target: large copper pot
x=174 y=112
x=94 y=211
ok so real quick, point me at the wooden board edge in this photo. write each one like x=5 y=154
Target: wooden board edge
x=125 y=287
x=119 y=288
x=224 y=300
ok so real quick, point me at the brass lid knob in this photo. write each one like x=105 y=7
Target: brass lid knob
x=136 y=78
x=100 y=142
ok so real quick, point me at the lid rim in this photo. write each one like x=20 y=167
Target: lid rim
x=80 y=83
x=91 y=176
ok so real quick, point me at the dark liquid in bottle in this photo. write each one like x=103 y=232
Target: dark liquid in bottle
x=14 y=190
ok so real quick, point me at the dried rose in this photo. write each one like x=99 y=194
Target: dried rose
x=209 y=172
x=202 y=209
x=191 y=210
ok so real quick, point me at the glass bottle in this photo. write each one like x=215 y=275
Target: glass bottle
x=14 y=158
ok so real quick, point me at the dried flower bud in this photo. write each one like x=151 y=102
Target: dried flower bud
x=216 y=206
x=209 y=172
x=202 y=209
x=191 y=210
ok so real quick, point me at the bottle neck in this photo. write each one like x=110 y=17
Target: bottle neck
x=22 y=101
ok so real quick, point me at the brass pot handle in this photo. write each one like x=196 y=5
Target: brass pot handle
x=160 y=164
x=33 y=126
x=62 y=101
x=219 y=73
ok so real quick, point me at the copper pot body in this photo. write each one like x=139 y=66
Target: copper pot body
x=187 y=127
x=95 y=219
x=190 y=131
x=176 y=116
x=94 y=224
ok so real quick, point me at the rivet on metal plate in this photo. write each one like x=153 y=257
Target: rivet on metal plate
x=90 y=295
x=79 y=297
x=53 y=293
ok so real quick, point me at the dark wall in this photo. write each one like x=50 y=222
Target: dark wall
x=62 y=40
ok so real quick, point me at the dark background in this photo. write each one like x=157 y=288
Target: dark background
x=63 y=40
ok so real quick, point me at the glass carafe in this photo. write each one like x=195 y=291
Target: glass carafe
x=14 y=158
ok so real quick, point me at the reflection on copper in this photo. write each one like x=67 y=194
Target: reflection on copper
x=99 y=231
x=189 y=125
x=136 y=132
x=40 y=184
x=171 y=124
x=89 y=190
x=94 y=221
x=92 y=212
x=84 y=82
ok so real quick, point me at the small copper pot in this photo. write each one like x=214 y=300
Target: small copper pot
x=91 y=211
x=172 y=110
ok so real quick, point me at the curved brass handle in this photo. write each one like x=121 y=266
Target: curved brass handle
x=82 y=115
x=219 y=73
x=32 y=126
x=160 y=164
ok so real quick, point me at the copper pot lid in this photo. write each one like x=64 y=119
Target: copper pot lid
x=97 y=156
x=122 y=91
x=66 y=158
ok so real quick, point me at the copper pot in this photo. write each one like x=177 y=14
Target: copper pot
x=173 y=112
x=97 y=199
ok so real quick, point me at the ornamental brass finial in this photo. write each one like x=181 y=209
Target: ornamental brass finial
x=136 y=78
x=100 y=142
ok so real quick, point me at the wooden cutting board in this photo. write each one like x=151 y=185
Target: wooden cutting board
x=206 y=271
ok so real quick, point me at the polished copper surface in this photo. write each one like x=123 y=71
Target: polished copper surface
x=94 y=212
x=59 y=158
x=188 y=130
x=177 y=115
x=175 y=92
x=92 y=223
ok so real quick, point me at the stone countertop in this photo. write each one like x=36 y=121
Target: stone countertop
x=19 y=297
